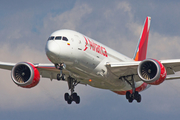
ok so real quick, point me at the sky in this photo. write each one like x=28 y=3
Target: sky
x=26 y=25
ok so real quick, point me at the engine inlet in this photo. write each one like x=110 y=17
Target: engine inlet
x=22 y=73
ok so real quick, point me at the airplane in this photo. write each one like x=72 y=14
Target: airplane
x=78 y=59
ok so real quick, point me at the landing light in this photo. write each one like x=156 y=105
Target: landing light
x=90 y=80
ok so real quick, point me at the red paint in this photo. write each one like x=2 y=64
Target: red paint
x=36 y=78
x=140 y=88
x=142 y=48
x=86 y=44
x=95 y=47
x=92 y=44
x=104 y=52
x=162 y=74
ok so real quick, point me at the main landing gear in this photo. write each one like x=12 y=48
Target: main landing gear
x=135 y=94
x=73 y=96
x=72 y=82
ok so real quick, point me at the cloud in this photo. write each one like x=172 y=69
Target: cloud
x=68 y=20
x=164 y=47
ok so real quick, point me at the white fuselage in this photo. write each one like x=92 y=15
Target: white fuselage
x=86 y=59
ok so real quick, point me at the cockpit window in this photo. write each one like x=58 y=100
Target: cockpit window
x=65 y=39
x=58 y=38
x=51 y=38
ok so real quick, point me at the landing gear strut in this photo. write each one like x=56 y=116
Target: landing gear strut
x=135 y=94
x=60 y=66
x=73 y=96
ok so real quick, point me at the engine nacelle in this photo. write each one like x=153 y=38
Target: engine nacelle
x=25 y=75
x=151 y=71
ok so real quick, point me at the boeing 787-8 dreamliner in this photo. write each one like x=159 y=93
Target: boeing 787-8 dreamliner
x=78 y=59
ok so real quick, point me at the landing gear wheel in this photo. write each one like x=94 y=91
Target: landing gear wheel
x=130 y=100
x=138 y=98
x=77 y=100
x=136 y=95
x=69 y=101
x=58 y=77
x=63 y=77
x=74 y=96
x=128 y=95
x=66 y=96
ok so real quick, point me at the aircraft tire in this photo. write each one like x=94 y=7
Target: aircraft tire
x=66 y=96
x=77 y=100
x=130 y=100
x=69 y=101
x=58 y=77
x=139 y=98
x=128 y=95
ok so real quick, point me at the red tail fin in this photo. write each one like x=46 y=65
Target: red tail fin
x=141 y=50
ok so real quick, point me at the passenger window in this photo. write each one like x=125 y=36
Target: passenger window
x=65 y=39
x=51 y=38
x=58 y=38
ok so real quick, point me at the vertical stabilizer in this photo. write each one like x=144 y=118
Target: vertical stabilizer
x=141 y=50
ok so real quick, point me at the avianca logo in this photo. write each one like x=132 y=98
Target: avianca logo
x=93 y=46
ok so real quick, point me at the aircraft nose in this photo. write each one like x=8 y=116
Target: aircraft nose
x=52 y=48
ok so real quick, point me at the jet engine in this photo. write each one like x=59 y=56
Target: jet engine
x=25 y=75
x=151 y=71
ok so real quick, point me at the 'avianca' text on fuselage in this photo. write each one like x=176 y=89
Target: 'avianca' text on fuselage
x=95 y=47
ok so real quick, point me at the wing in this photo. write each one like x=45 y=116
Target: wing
x=171 y=66
x=45 y=70
x=6 y=66
x=128 y=68
x=117 y=68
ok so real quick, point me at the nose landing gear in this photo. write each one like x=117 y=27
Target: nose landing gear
x=60 y=66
